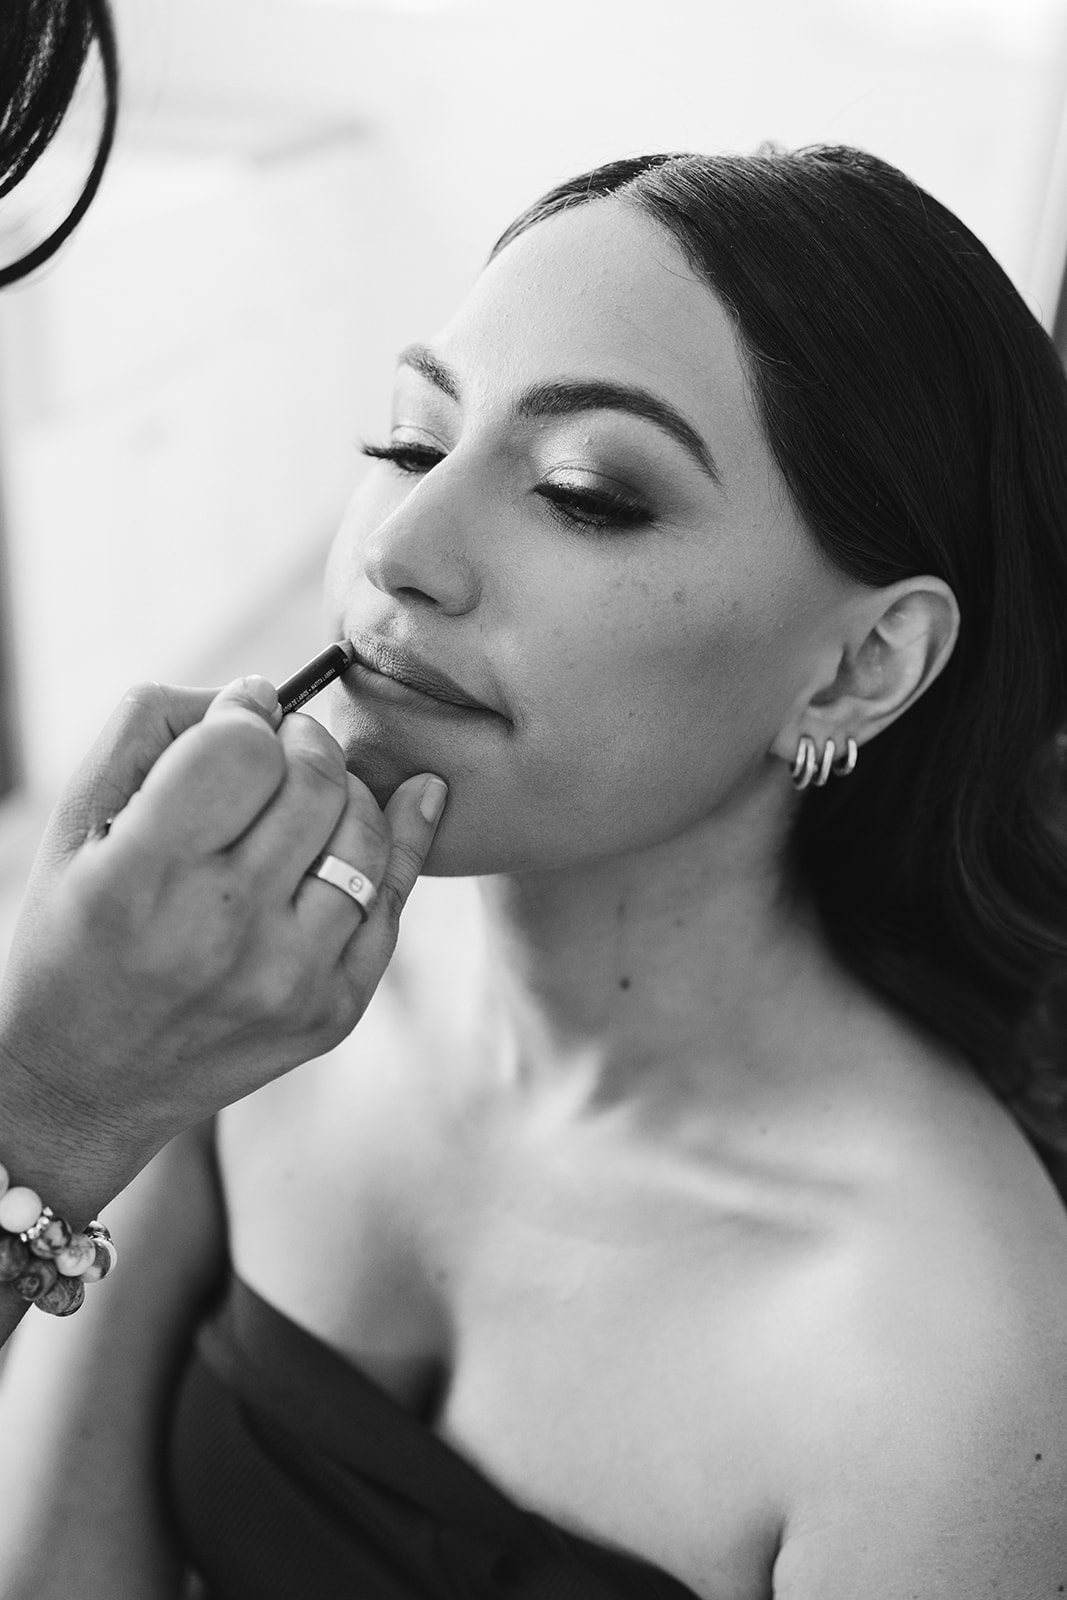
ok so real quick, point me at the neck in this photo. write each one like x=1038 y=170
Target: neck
x=676 y=971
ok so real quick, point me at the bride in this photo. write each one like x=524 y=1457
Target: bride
x=679 y=1218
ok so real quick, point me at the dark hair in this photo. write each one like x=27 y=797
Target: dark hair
x=918 y=414
x=44 y=45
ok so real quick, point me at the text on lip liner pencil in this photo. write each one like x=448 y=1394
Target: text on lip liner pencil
x=319 y=671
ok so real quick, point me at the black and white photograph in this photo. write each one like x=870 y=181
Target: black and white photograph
x=533 y=800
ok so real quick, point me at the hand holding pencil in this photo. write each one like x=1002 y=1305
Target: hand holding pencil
x=190 y=930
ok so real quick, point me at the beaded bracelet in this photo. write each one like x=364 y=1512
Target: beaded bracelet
x=42 y=1257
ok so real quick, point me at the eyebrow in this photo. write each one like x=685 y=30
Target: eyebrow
x=564 y=397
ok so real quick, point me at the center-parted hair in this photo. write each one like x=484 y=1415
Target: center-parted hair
x=918 y=414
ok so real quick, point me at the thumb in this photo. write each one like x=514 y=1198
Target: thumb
x=253 y=694
x=413 y=813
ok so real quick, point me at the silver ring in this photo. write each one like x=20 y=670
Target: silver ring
x=344 y=876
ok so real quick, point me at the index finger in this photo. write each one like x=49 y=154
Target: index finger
x=149 y=717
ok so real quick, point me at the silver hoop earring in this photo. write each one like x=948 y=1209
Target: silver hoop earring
x=825 y=764
x=804 y=762
x=846 y=764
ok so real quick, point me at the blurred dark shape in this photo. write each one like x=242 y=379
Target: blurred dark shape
x=44 y=45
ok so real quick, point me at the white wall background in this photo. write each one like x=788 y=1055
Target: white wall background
x=305 y=185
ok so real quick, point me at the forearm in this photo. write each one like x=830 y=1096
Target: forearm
x=84 y=1402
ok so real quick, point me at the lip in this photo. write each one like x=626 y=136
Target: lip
x=377 y=660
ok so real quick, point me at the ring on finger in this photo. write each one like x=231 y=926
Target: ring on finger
x=344 y=876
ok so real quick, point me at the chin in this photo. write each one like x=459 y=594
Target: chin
x=379 y=770
x=487 y=828
x=369 y=757
x=463 y=845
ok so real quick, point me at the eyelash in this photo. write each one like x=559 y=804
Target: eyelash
x=587 y=509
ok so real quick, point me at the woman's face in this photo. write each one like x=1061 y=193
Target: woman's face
x=583 y=529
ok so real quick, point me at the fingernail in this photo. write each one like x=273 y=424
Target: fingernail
x=262 y=691
x=432 y=800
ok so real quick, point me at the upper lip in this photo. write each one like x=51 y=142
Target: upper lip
x=391 y=661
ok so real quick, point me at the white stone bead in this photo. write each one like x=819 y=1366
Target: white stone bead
x=19 y=1209
x=77 y=1257
x=5 y=1179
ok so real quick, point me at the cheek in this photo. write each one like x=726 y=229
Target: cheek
x=343 y=563
x=333 y=587
x=680 y=661
x=648 y=716
x=339 y=570
x=346 y=560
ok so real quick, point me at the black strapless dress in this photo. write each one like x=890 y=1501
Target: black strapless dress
x=295 y=1477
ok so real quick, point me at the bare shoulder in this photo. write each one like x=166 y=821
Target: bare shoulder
x=926 y=1451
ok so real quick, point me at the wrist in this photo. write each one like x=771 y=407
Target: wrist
x=53 y=1142
x=46 y=1261
x=76 y=1184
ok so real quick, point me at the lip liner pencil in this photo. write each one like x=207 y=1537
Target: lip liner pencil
x=319 y=671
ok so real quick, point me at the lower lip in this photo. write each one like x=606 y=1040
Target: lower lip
x=378 y=687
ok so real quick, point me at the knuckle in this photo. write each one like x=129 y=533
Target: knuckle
x=271 y=993
x=141 y=704
x=162 y=705
x=290 y=998
x=147 y=693
x=374 y=845
x=392 y=898
x=405 y=866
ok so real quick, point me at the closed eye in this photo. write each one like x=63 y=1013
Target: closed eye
x=593 y=508
x=407 y=457
x=572 y=504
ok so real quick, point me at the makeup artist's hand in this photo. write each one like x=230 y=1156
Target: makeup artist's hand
x=179 y=961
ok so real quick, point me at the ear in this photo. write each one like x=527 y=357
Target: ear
x=888 y=647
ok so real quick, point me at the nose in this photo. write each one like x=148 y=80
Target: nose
x=419 y=553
